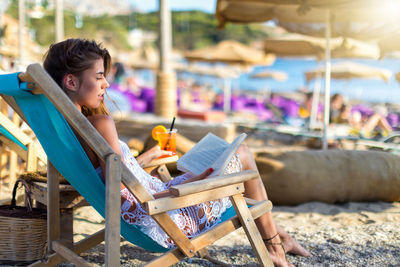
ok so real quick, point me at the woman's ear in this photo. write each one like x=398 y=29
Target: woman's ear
x=70 y=82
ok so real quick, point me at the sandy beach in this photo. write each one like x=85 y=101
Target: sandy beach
x=348 y=234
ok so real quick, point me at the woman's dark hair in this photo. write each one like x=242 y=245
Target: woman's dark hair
x=74 y=56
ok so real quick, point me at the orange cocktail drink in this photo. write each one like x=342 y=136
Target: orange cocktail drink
x=167 y=141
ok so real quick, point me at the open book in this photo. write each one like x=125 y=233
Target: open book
x=210 y=152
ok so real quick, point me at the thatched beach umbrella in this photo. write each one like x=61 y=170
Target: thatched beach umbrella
x=397 y=75
x=350 y=70
x=270 y=74
x=231 y=52
x=234 y=53
x=298 y=45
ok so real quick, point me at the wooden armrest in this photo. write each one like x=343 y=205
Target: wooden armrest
x=212 y=182
x=164 y=204
x=158 y=162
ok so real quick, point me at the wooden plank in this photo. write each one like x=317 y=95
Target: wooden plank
x=53 y=207
x=211 y=235
x=67 y=227
x=164 y=174
x=180 y=239
x=158 y=162
x=22 y=153
x=14 y=130
x=212 y=182
x=172 y=203
x=113 y=207
x=69 y=255
x=79 y=247
x=31 y=161
x=11 y=101
x=251 y=230
x=3 y=161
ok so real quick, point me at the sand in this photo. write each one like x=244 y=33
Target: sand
x=348 y=234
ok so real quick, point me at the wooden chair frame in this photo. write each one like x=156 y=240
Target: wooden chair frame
x=231 y=186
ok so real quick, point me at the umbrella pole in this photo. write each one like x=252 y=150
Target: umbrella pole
x=327 y=80
x=227 y=95
x=315 y=101
x=21 y=26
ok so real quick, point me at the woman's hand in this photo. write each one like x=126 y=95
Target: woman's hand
x=151 y=154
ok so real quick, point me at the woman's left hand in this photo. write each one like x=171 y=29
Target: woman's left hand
x=151 y=154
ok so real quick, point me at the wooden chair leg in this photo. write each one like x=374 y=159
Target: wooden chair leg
x=67 y=227
x=53 y=205
x=251 y=230
x=113 y=207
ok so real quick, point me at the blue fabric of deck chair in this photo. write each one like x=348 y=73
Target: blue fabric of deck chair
x=64 y=151
x=11 y=137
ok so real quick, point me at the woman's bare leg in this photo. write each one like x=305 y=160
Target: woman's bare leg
x=255 y=189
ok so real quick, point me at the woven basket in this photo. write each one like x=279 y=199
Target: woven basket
x=23 y=230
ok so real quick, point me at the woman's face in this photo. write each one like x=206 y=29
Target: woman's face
x=91 y=86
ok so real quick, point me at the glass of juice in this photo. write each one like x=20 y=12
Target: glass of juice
x=167 y=141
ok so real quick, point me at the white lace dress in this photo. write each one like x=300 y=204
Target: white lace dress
x=191 y=220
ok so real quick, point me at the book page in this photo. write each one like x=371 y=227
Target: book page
x=203 y=154
x=225 y=157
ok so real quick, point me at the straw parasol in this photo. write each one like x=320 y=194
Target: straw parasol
x=350 y=70
x=308 y=11
x=390 y=43
x=231 y=52
x=270 y=74
x=298 y=45
x=397 y=75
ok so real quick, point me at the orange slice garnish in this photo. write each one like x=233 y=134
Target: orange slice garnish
x=158 y=129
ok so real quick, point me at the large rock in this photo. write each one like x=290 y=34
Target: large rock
x=330 y=176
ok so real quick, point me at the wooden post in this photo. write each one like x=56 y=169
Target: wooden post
x=13 y=156
x=53 y=205
x=59 y=21
x=113 y=207
x=165 y=102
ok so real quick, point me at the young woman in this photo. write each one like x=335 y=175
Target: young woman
x=80 y=67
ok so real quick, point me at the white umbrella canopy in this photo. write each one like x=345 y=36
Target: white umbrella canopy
x=350 y=70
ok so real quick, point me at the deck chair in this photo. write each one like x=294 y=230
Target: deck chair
x=57 y=123
x=20 y=143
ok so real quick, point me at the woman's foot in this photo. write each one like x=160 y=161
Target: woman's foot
x=292 y=246
x=277 y=252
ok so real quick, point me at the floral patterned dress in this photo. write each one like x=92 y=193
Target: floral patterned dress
x=191 y=220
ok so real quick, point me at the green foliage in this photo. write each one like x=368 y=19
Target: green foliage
x=191 y=29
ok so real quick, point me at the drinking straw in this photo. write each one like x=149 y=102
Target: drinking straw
x=169 y=134
x=172 y=124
